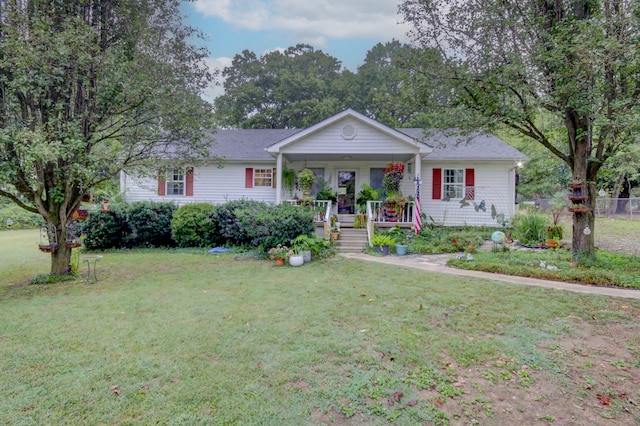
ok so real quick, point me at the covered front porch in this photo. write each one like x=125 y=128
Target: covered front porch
x=344 y=152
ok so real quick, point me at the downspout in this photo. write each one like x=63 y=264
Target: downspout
x=279 y=178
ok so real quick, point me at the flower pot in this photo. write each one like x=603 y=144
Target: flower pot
x=296 y=260
x=551 y=243
x=306 y=255
x=401 y=249
x=279 y=261
x=382 y=249
x=335 y=236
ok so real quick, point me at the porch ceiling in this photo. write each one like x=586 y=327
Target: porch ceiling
x=348 y=157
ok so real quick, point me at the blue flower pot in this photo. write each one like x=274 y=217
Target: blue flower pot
x=401 y=249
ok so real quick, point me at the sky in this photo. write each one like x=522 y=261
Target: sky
x=344 y=29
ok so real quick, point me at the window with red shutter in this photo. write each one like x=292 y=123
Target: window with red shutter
x=436 y=186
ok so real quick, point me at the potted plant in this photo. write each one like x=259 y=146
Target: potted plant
x=382 y=242
x=304 y=244
x=279 y=253
x=393 y=175
x=325 y=192
x=402 y=244
x=554 y=231
x=295 y=257
x=305 y=181
x=554 y=235
x=335 y=227
x=288 y=180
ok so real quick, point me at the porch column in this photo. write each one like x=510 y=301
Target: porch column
x=418 y=166
x=278 y=178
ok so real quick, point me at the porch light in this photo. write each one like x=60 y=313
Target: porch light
x=346 y=157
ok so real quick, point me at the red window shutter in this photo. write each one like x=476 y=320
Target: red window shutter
x=248 y=177
x=470 y=183
x=162 y=187
x=189 y=182
x=436 y=188
x=273 y=178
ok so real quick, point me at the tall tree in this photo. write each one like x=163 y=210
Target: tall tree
x=87 y=88
x=508 y=62
x=279 y=90
x=382 y=91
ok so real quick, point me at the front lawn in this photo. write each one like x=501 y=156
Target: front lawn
x=186 y=337
x=607 y=269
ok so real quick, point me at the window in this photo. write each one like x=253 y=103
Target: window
x=263 y=177
x=175 y=182
x=375 y=177
x=453 y=183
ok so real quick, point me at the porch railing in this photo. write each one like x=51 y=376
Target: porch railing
x=378 y=212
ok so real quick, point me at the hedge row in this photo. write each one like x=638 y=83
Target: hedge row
x=235 y=223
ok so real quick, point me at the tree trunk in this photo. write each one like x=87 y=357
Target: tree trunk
x=583 y=223
x=60 y=260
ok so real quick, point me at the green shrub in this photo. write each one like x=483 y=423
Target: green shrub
x=318 y=247
x=104 y=230
x=229 y=228
x=193 y=225
x=530 y=229
x=433 y=240
x=150 y=224
x=267 y=225
x=20 y=218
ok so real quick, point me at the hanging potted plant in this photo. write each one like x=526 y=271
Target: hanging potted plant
x=288 y=180
x=305 y=181
x=394 y=203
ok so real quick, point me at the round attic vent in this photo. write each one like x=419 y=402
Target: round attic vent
x=348 y=132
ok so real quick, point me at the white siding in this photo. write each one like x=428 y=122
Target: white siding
x=368 y=140
x=494 y=184
x=210 y=184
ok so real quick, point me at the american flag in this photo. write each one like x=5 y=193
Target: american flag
x=417 y=216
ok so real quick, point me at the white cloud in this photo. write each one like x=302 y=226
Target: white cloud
x=311 y=21
x=216 y=65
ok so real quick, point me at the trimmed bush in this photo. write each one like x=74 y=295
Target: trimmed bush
x=150 y=224
x=104 y=230
x=268 y=225
x=229 y=228
x=194 y=225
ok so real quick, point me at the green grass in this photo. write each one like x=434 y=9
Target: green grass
x=186 y=337
x=607 y=269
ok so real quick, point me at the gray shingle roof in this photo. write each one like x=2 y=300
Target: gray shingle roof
x=450 y=145
x=247 y=144
x=250 y=144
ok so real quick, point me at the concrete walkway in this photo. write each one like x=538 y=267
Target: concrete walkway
x=437 y=263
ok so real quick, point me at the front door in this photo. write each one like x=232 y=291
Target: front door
x=346 y=191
